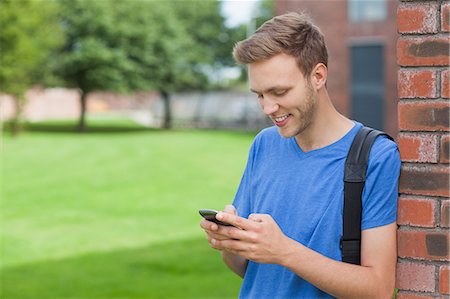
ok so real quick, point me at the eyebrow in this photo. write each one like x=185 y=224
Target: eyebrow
x=271 y=89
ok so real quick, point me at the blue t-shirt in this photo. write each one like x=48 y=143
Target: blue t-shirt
x=304 y=193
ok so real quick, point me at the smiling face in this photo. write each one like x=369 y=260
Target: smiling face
x=283 y=93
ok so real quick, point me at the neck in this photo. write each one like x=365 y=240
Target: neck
x=326 y=127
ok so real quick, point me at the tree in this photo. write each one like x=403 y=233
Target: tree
x=266 y=11
x=207 y=47
x=101 y=50
x=28 y=34
x=127 y=46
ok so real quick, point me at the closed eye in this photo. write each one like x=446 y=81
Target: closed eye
x=280 y=93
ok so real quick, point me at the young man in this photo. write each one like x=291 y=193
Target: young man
x=285 y=241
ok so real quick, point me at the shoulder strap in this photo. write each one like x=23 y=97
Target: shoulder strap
x=354 y=180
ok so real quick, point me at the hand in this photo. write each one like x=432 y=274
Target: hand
x=215 y=231
x=260 y=239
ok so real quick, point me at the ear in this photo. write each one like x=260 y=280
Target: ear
x=319 y=76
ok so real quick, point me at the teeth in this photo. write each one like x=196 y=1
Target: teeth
x=281 y=118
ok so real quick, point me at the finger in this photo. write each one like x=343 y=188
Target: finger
x=231 y=245
x=215 y=244
x=217 y=236
x=230 y=209
x=213 y=239
x=227 y=232
x=235 y=220
x=232 y=232
x=208 y=225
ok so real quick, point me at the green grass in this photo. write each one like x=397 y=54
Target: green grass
x=113 y=213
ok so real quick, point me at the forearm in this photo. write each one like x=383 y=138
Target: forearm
x=236 y=263
x=341 y=280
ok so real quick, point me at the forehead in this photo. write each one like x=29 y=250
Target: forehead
x=280 y=70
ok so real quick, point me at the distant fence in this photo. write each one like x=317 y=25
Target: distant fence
x=215 y=109
x=231 y=110
x=43 y=104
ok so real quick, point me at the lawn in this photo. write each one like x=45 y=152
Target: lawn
x=113 y=213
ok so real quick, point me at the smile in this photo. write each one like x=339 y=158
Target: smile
x=281 y=120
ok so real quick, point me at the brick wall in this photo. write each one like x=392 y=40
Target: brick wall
x=423 y=119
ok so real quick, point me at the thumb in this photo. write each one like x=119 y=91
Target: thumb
x=230 y=209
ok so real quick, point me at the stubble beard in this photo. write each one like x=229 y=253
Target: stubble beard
x=305 y=116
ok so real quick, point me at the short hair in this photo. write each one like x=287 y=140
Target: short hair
x=292 y=34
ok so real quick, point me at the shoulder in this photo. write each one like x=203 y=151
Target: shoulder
x=384 y=150
x=268 y=133
x=266 y=136
x=267 y=142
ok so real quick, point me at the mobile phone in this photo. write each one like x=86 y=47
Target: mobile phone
x=210 y=215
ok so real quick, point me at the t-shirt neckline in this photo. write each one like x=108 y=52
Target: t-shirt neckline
x=349 y=134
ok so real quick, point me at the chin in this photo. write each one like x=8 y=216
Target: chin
x=292 y=132
x=287 y=133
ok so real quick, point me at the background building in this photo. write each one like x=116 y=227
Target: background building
x=361 y=38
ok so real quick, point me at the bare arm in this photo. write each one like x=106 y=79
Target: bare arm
x=235 y=262
x=375 y=278
x=261 y=240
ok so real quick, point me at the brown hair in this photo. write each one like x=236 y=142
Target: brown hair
x=293 y=34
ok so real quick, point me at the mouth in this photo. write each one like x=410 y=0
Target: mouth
x=280 y=121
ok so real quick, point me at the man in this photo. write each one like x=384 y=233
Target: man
x=285 y=241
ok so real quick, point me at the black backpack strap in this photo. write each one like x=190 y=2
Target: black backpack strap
x=354 y=180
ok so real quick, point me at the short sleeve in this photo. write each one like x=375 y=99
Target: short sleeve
x=380 y=193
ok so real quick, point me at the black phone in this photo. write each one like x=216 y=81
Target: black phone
x=210 y=215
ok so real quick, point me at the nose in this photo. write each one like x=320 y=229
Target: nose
x=269 y=106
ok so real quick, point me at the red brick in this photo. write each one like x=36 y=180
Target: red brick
x=415 y=277
x=417 y=18
x=445 y=214
x=401 y=295
x=425 y=180
x=423 y=51
x=417 y=84
x=443 y=280
x=444 y=149
x=418 y=147
x=424 y=116
x=445 y=84
x=427 y=245
x=417 y=212
x=445 y=17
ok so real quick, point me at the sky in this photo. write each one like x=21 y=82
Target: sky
x=237 y=11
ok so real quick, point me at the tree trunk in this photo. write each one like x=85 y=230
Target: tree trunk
x=167 y=124
x=82 y=122
x=19 y=103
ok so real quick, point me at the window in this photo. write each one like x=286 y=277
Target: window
x=367 y=84
x=366 y=10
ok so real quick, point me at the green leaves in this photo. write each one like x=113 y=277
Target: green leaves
x=141 y=45
x=116 y=45
x=29 y=33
